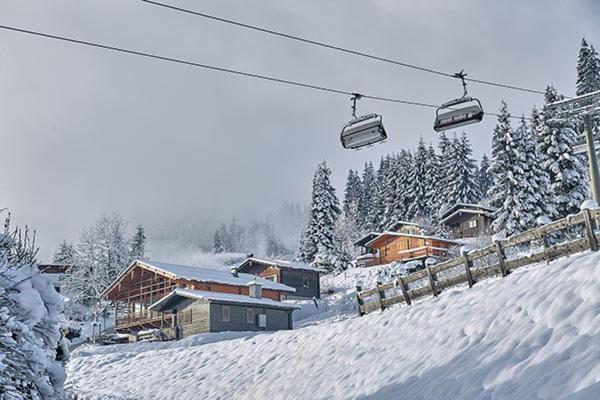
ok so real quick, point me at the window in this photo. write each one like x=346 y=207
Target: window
x=473 y=223
x=225 y=313
x=250 y=315
x=305 y=282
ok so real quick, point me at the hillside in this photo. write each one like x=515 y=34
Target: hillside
x=534 y=334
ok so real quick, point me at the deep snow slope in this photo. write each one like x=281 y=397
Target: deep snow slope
x=534 y=334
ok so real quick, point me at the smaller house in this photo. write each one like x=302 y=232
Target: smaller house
x=55 y=272
x=302 y=277
x=468 y=220
x=199 y=311
x=407 y=243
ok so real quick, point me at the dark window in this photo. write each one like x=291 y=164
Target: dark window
x=250 y=315
x=305 y=282
x=225 y=313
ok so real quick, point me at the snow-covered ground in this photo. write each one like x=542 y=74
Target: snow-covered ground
x=534 y=334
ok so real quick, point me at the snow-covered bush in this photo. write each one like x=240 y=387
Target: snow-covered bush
x=30 y=323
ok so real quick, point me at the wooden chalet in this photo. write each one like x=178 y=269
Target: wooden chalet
x=406 y=244
x=468 y=220
x=302 y=277
x=199 y=311
x=55 y=272
x=143 y=283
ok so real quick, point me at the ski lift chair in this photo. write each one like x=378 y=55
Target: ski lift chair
x=449 y=116
x=362 y=131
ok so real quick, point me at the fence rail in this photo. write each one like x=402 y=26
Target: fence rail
x=495 y=259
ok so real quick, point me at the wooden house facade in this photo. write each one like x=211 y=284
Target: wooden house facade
x=143 y=283
x=468 y=220
x=391 y=246
x=195 y=311
x=302 y=277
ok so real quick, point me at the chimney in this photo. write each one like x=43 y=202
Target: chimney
x=234 y=271
x=255 y=289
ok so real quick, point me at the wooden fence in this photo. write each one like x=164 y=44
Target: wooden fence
x=578 y=234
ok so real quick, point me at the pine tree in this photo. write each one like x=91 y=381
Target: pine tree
x=420 y=186
x=445 y=160
x=501 y=160
x=588 y=69
x=138 y=244
x=389 y=193
x=64 y=254
x=565 y=170
x=318 y=240
x=353 y=200
x=484 y=179
x=462 y=174
x=404 y=184
x=369 y=194
x=30 y=322
x=376 y=214
x=436 y=175
x=221 y=240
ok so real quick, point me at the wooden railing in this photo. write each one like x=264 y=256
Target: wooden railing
x=500 y=258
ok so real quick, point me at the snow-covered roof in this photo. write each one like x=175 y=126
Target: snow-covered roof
x=281 y=264
x=221 y=298
x=400 y=234
x=366 y=238
x=466 y=208
x=200 y=274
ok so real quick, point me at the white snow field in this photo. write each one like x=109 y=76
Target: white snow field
x=532 y=335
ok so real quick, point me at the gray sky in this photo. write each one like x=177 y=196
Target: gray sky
x=86 y=131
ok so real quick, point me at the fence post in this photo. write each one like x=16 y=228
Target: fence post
x=589 y=228
x=404 y=290
x=431 y=281
x=468 y=269
x=359 y=300
x=381 y=296
x=501 y=258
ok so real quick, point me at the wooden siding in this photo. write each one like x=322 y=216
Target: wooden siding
x=295 y=278
x=194 y=318
x=404 y=248
x=276 y=319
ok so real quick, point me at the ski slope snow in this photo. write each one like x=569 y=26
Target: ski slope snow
x=532 y=335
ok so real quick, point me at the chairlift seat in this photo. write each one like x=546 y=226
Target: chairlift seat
x=454 y=118
x=363 y=131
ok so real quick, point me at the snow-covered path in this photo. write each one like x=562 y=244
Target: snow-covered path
x=534 y=334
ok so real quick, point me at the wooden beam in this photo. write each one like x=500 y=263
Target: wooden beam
x=501 y=258
x=468 y=270
x=431 y=277
x=589 y=230
x=404 y=289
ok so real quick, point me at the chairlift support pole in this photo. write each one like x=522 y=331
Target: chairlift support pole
x=592 y=157
x=584 y=106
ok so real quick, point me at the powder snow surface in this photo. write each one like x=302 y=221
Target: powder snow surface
x=532 y=335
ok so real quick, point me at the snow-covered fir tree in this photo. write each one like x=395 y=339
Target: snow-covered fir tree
x=436 y=175
x=392 y=205
x=138 y=244
x=463 y=187
x=588 y=69
x=421 y=185
x=501 y=160
x=445 y=160
x=65 y=254
x=30 y=323
x=369 y=194
x=318 y=240
x=484 y=179
x=375 y=215
x=221 y=240
x=404 y=184
x=566 y=170
x=353 y=200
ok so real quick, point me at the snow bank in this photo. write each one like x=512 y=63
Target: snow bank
x=533 y=334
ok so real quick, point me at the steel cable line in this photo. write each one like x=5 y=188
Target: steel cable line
x=338 y=48
x=221 y=69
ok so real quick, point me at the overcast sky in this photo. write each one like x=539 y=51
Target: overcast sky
x=85 y=131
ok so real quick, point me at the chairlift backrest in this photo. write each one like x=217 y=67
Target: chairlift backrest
x=363 y=131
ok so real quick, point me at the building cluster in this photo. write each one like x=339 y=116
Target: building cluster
x=179 y=300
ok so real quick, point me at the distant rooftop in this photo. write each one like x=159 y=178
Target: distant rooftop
x=281 y=264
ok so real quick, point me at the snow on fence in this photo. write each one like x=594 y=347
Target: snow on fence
x=529 y=247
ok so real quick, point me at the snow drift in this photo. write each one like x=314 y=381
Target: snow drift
x=533 y=334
